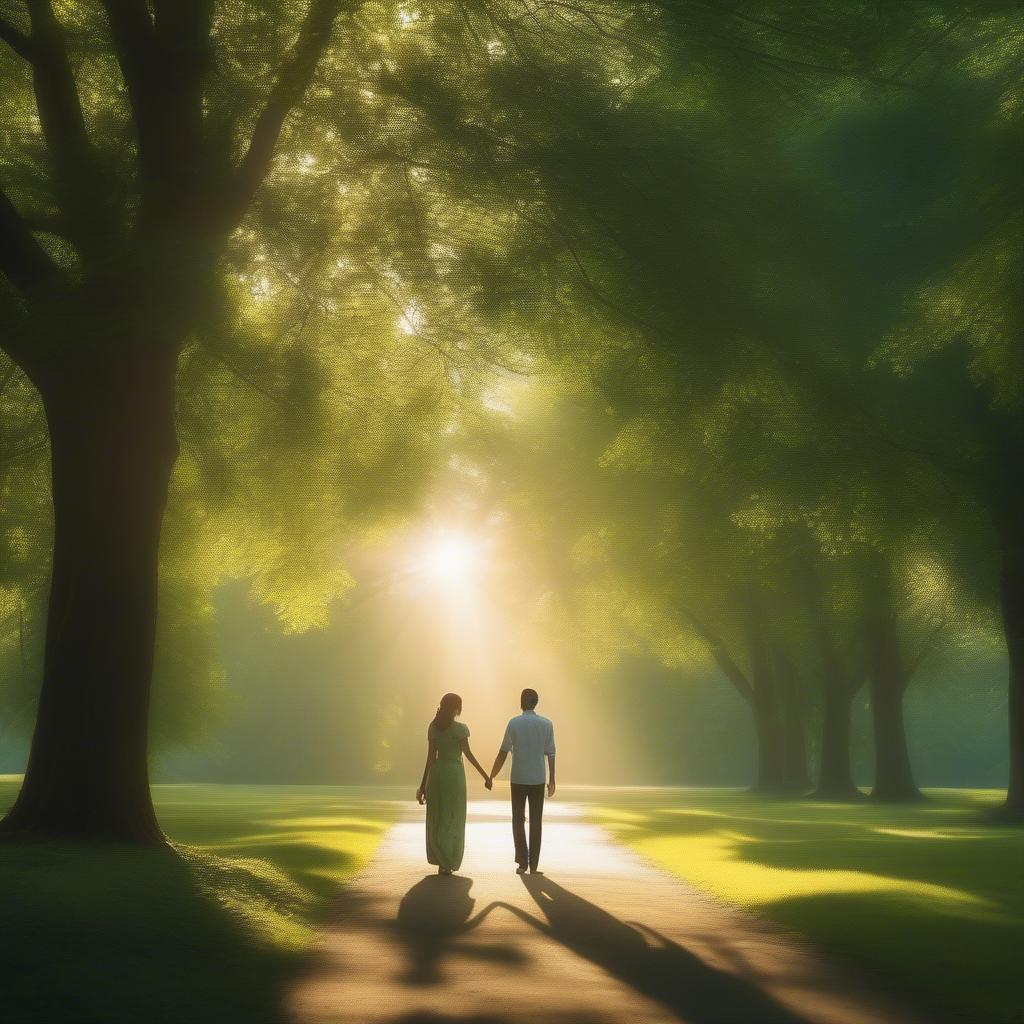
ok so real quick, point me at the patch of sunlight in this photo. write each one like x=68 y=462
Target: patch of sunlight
x=324 y=822
x=335 y=839
x=697 y=812
x=715 y=863
x=412 y=319
x=258 y=895
x=918 y=833
x=737 y=837
x=606 y=815
x=620 y=826
x=326 y=874
x=968 y=797
x=815 y=819
x=613 y=816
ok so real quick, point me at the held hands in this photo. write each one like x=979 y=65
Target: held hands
x=488 y=783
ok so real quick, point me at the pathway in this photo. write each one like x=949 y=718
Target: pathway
x=602 y=937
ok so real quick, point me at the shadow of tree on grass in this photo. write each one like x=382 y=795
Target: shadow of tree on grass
x=122 y=935
x=929 y=897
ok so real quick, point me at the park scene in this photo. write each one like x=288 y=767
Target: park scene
x=511 y=512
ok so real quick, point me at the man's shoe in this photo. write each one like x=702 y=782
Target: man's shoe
x=536 y=871
x=520 y=869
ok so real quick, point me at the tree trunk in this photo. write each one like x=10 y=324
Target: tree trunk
x=894 y=777
x=795 y=776
x=888 y=680
x=835 y=777
x=1012 y=607
x=111 y=421
x=771 y=738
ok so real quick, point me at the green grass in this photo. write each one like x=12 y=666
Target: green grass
x=928 y=896
x=211 y=930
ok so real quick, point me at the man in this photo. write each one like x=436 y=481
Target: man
x=529 y=738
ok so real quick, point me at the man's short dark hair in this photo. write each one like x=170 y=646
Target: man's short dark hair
x=528 y=699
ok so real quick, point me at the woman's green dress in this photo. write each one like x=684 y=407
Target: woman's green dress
x=446 y=798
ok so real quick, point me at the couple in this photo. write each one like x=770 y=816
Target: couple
x=529 y=738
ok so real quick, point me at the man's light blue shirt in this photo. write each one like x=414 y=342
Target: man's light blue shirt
x=528 y=737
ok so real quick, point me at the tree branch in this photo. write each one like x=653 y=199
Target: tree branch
x=922 y=655
x=17 y=40
x=60 y=116
x=292 y=82
x=183 y=40
x=131 y=30
x=22 y=258
x=29 y=268
x=723 y=658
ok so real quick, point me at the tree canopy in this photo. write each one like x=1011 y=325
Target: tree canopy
x=717 y=304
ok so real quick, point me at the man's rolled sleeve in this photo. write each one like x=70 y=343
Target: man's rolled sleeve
x=549 y=746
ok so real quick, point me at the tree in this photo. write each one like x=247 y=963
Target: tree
x=97 y=318
x=877 y=193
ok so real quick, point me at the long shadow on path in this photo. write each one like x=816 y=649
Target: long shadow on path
x=433 y=916
x=692 y=989
x=434 y=921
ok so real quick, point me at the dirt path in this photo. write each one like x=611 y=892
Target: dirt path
x=601 y=938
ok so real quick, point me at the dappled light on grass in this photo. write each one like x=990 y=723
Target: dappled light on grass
x=312 y=837
x=929 y=896
x=209 y=930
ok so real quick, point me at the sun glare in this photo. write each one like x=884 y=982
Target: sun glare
x=450 y=558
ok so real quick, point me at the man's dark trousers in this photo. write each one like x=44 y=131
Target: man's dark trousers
x=527 y=855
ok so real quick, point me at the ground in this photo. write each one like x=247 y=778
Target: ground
x=928 y=896
x=928 y=902
x=208 y=932
x=601 y=937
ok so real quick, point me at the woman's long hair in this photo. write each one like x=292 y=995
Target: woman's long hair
x=450 y=706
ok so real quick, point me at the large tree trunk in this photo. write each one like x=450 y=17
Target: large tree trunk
x=795 y=776
x=1012 y=607
x=768 y=722
x=835 y=777
x=111 y=420
x=894 y=777
x=888 y=680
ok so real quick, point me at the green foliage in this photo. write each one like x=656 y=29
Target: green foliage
x=746 y=274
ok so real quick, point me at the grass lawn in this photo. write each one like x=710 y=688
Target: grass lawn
x=929 y=896
x=210 y=931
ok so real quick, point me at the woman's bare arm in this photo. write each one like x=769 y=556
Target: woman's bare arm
x=421 y=793
x=475 y=763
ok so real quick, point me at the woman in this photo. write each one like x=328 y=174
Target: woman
x=444 y=785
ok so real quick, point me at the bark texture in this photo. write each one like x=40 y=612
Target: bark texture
x=113 y=441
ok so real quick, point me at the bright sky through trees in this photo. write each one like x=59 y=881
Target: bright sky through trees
x=703 y=315
x=664 y=356
x=451 y=559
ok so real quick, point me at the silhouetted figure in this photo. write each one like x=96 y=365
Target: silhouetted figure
x=529 y=738
x=443 y=786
